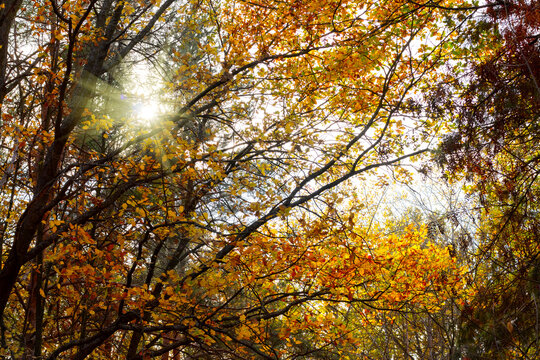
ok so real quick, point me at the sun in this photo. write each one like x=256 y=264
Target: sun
x=147 y=110
x=145 y=95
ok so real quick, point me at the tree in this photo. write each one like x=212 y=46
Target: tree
x=217 y=230
x=496 y=147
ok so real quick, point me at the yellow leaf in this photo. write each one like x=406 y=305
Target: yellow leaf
x=243 y=332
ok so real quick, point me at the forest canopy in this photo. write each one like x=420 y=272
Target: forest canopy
x=210 y=179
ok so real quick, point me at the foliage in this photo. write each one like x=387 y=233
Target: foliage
x=228 y=226
x=496 y=146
